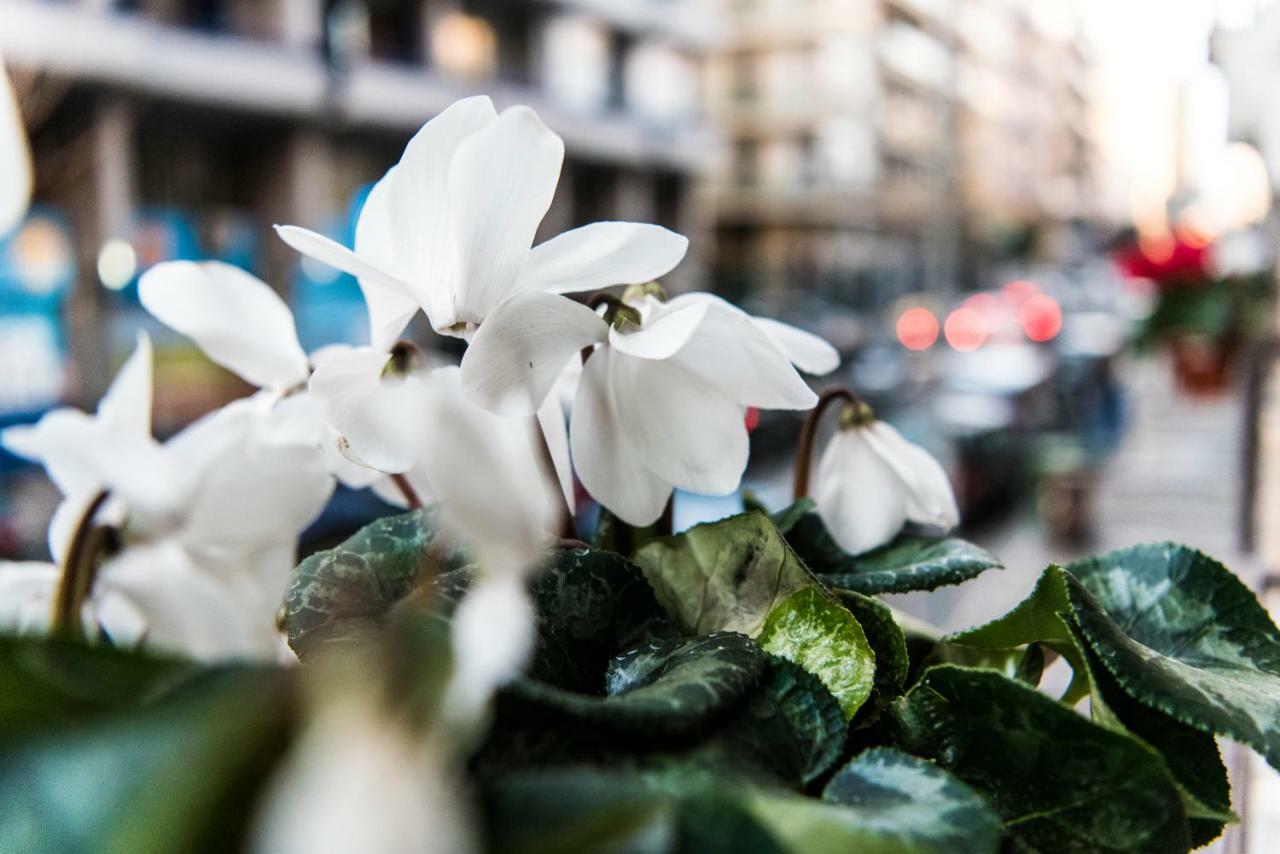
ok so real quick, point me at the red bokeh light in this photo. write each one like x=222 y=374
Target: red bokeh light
x=917 y=328
x=1020 y=290
x=966 y=329
x=1041 y=317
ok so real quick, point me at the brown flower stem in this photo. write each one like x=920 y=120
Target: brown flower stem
x=804 y=448
x=79 y=568
x=566 y=529
x=406 y=489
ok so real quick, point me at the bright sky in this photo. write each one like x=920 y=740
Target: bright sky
x=1144 y=50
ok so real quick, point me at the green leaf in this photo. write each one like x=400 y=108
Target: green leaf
x=790 y=732
x=739 y=574
x=1060 y=782
x=1191 y=756
x=48 y=682
x=345 y=593
x=887 y=641
x=671 y=811
x=1047 y=615
x=887 y=802
x=591 y=606
x=181 y=775
x=821 y=636
x=787 y=517
x=908 y=563
x=1176 y=630
x=665 y=688
x=724 y=576
x=1180 y=633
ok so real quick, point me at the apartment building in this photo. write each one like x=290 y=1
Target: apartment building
x=884 y=146
x=224 y=116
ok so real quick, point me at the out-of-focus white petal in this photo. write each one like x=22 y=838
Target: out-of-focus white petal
x=485 y=476
x=663 y=335
x=15 y=159
x=492 y=633
x=256 y=495
x=681 y=428
x=187 y=610
x=380 y=417
x=355 y=781
x=26 y=597
x=233 y=316
x=83 y=457
x=385 y=311
x=556 y=432
x=390 y=307
x=859 y=495
x=520 y=351
x=55 y=441
x=734 y=355
x=612 y=472
x=127 y=404
x=500 y=185
x=807 y=351
x=419 y=206
x=78 y=450
x=602 y=254
x=930 y=499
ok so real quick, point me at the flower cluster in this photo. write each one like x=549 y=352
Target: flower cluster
x=187 y=545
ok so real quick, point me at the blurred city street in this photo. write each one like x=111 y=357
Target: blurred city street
x=1174 y=476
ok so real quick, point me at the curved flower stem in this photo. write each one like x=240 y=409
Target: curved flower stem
x=804 y=448
x=79 y=568
x=406 y=489
x=566 y=529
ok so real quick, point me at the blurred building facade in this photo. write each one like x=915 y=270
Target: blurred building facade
x=882 y=146
x=229 y=115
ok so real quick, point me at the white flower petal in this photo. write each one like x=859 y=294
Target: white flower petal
x=27 y=591
x=600 y=255
x=683 y=429
x=254 y=494
x=357 y=781
x=187 y=610
x=556 y=432
x=57 y=441
x=807 y=351
x=500 y=185
x=418 y=204
x=735 y=356
x=859 y=495
x=15 y=159
x=662 y=335
x=930 y=499
x=485 y=475
x=612 y=472
x=380 y=417
x=233 y=316
x=127 y=404
x=520 y=351
x=390 y=306
x=492 y=632
x=390 y=300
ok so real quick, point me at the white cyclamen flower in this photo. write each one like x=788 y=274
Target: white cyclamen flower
x=357 y=781
x=209 y=521
x=871 y=481
x=662 y=399
x=15 y=159
x=242 y=324
x=449 y=229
